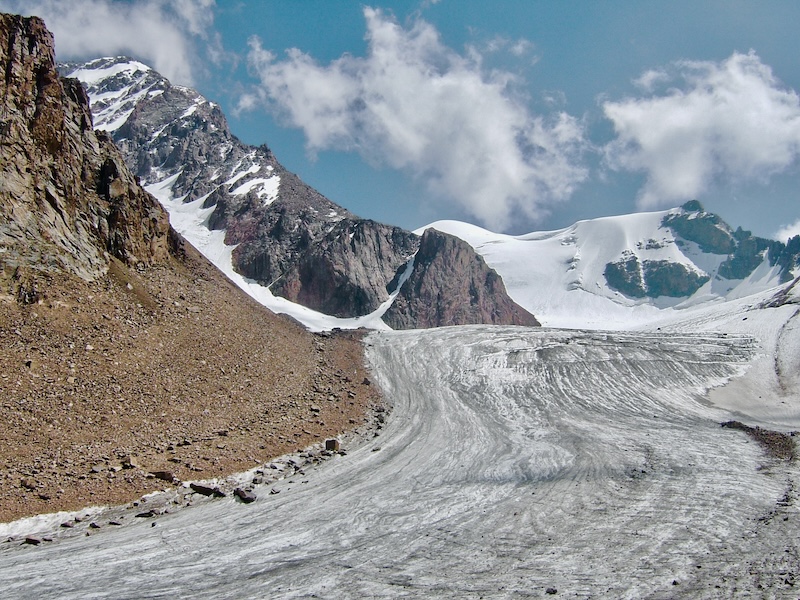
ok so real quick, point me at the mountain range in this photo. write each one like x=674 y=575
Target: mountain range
x=284 y=236
x=285 y=241
x=139 y=380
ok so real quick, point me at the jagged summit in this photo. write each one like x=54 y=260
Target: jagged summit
x=278 y=232
x=116 y=84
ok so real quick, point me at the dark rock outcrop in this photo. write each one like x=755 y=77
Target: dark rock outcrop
x=705 y=229
x=350 y=270
x=67 y=199
x=625 y=275
x=165 y=130
x=206 y=490
x=652 y=278
x=452 y=285
x=743 y=252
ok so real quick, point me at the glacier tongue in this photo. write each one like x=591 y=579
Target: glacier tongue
x=515 y=460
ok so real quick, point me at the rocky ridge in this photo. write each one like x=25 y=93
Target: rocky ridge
x=427 y=299
x=287 y=235
x=739 y=255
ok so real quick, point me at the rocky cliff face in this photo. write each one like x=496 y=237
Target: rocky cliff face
x=451 y=285
x=349 y=271
x=67 y=199
x=287 y=235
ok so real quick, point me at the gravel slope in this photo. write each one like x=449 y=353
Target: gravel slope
x=169 y=369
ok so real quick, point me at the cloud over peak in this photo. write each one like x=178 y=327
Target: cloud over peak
x=701 y=122
x=416 y=105
x=160 y=32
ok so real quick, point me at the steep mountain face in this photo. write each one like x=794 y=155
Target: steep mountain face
x=287 y=236
x=349 y=271
x=68 y=200
x=164 y=130
x=432 y=295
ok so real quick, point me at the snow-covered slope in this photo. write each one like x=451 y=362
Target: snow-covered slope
x=563 y=276
x=191 y=221
x=274 y=234
x=115 y=87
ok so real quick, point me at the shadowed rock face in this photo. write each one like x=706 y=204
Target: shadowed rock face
x=66 y=195
x=452 y=285
x=349 y=271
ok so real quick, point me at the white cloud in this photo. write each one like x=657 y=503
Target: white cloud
x=730 y=120
x=418 y=106
x=788 y=231
x=648 y=80
x=162 y=33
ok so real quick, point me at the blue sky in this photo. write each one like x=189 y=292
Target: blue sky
x=515 y=115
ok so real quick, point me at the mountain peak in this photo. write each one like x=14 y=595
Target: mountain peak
x=287 y=236
x=693 y=206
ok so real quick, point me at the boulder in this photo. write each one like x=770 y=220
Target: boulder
x=205 y=490
x=246 y=496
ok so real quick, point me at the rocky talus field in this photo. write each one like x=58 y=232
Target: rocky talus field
x=106 y=383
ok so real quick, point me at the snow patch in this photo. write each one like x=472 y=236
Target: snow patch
x=93 y=76
x=266 y=189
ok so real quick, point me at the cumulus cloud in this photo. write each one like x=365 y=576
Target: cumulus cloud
x=416 y=105
x=162 y=33
x=730 y=120
x=788 y=231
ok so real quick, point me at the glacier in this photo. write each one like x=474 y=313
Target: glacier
x=515 y=461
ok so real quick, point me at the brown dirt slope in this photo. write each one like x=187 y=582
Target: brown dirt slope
x=168 y=368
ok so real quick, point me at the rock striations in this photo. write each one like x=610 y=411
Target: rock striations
x=287 y=235
x=124 y=354
x=68 y=198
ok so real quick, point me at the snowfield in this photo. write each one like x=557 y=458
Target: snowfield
x=559 y=275
x=514 y=461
